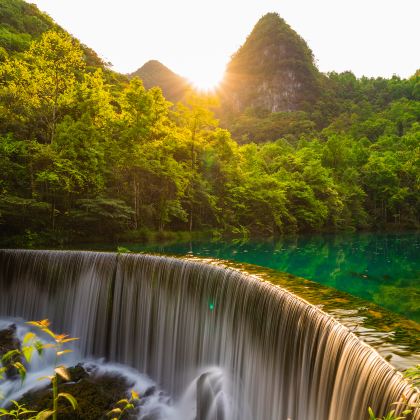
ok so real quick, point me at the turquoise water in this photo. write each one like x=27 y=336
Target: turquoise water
x=381 y=268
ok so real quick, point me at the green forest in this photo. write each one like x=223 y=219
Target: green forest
x=86 y=152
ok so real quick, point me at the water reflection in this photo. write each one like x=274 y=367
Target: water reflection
x=381 y=268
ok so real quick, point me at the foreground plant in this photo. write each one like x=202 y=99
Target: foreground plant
x=389 y=416
x=59 y=370
x=124 y=405
x=30 y=344
x=412 y=375
x=19 y=411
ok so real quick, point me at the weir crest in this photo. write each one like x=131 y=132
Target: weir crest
x=241 y=349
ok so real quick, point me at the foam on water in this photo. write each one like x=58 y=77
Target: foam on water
x=224 y=345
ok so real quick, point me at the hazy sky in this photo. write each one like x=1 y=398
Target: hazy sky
x=195 y=38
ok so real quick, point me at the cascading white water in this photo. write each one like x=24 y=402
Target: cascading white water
x=248 y=349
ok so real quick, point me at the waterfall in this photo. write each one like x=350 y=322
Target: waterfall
x=244 y=349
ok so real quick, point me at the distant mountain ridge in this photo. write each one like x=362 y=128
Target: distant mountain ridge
x=274 y=70
x=154 y=73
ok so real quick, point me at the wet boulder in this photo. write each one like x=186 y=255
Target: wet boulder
x=9 y=342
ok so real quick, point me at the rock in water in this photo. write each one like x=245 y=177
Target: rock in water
x=96 y=394
x=9 y=342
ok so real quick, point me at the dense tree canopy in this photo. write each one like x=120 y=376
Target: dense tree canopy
x=83 y=153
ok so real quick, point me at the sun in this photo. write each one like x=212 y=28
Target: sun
x=206 y=77
x=204 y=82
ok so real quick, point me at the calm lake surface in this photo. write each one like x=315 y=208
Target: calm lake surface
x=381 y=268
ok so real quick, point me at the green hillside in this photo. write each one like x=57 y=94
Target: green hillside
x=21 y=23
x=87 y=154
x=153 y=73
x=273 y=70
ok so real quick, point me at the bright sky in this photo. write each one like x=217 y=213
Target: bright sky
x=195 y=38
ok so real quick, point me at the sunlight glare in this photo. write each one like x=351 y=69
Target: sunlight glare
x=205 y=77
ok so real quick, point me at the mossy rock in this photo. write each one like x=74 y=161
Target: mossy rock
x=9 y=342
x=96 y=394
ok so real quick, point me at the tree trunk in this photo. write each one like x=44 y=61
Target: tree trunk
x=192 y=173
x=136 y=202
x=31 y=175
x=54 y=113
x=53 y=212
x=191 y=218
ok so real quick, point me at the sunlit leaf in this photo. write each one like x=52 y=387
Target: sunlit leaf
x=9 y=355
x=45 y=414
x=125 y=401
x=24 y=410
x=371 y=414
x=413 y=375
x=68 y=340
x=21 y=370
x=62 y=371
x=44 y=323
x=45 y=377
x=115 y=411
x=28 y=337
x=62 y=352
x=27 y=353
x=69 y=398
x=49 y=346
x=49 y=332
x=60 y=337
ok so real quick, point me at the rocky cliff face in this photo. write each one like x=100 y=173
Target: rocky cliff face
x=154 y=73
x=274 y=70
